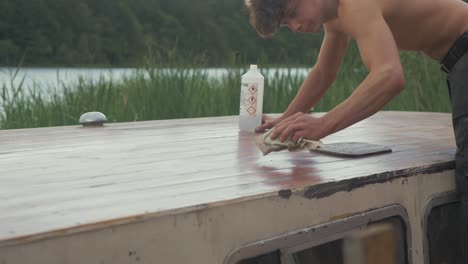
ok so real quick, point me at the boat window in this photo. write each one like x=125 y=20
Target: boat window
x=443 y=229
x=379 y=242
x=330 y=252
x=379 y=236
x=270 y=258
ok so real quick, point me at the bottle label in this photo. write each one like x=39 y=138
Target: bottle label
x=248 y=100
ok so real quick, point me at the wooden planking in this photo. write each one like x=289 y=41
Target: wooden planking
x=221 y=161
x=65 y=177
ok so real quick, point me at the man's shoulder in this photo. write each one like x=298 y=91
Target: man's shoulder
x=358 y=7
x=355 y=16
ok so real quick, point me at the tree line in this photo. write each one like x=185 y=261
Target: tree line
x=133 y=32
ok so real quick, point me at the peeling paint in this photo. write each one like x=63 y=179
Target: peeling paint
x=285 y=193
x=330 y=188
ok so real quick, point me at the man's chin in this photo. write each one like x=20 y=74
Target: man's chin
x=313 y=29
x=318 y=29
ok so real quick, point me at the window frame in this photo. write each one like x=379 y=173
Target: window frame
x=434 y=201
x=297 y=240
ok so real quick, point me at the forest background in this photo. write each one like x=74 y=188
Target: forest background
x=172 y=44
x=122 y=33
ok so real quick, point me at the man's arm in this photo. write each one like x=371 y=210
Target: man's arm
x=364 y=21
x=322 y=74
x=320 y=77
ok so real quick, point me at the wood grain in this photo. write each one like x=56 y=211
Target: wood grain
x=67 y=178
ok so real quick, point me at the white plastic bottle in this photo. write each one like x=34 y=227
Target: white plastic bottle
x=251 y=100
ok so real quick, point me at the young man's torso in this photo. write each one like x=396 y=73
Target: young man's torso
x=430 y=26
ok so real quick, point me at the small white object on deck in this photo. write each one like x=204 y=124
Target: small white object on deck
x=93 y=119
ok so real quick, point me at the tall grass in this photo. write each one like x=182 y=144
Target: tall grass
x=159 y=93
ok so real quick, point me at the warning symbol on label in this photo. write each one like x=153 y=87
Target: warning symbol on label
x=253 y=89
x=251 y=110
x=251 y=100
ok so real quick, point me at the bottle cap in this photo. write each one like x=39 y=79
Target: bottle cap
x=253 y=67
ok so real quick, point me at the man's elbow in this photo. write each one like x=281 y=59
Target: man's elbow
x=395 y=79
x=399 y=80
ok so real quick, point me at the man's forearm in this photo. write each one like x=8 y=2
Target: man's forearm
x=312 y=89
x=371 y=95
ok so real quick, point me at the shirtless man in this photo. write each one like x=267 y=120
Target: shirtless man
x=438 y=28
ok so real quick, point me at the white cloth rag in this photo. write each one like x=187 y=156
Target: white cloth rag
x=267 y=145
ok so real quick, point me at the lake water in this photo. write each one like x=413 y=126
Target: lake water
x=51 y=78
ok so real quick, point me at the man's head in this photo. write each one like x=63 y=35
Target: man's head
x=266 y=16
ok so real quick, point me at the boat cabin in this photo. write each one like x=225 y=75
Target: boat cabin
x=199 y=191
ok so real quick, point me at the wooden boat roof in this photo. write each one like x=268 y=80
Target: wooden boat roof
x=60 y=180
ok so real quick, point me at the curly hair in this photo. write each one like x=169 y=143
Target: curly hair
x=266 y=15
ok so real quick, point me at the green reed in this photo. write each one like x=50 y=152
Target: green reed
x=158 y=93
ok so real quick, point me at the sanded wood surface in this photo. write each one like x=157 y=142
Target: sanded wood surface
x=56 y=181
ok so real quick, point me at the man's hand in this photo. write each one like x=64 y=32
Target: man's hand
x=301 y=126
x=268 y=122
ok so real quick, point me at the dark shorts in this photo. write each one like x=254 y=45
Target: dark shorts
x=455 y=64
